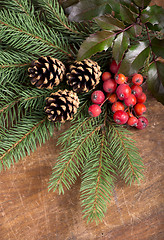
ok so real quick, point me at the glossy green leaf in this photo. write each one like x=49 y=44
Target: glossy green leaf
x=121 y=44
x=155 y=80
x=129 y=4
x=96 y=42
x=134 y=58
x=127 y=15
x=135 y=30
x=158 y=47
x=153 y=15
x=108 y=22
x=142 y=3
x=87 y=10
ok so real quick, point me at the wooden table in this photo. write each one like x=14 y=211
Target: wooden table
x=29 y=212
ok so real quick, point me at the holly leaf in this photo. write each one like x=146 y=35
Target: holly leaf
x=121 y=44
x=129 y=4
x=155 y=80
x=135 y=31
x=135 y=58
x=153 y=15
x=127 y=15
x=142 y=3
x=108 y=22
x=87 y=10
x=96 y=42
x=158 y=47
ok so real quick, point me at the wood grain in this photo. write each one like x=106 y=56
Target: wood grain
x=29 y=212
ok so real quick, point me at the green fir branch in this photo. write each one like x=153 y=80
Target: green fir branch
x=125 y=154
x=71 y=160
x=22 y=138
x=31 y=36
x=97 y=180
x=56 y=16
x=21 y=6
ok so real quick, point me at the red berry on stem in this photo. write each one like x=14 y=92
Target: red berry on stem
x=132 y=121
x=112 y=97
x=123 y=91
x=109 y=86
x=136 y=90
x=141 y=98
x=137 y=79
x=120 y=78
x=94 y=110
x=120 y=117
x=142 y=123
x=97 y=97
x=130 y=101
x=114 y=67
x=117 y=106
x=139 y=109
x=106 y=76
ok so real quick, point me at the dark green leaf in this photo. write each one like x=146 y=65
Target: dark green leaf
x=158 y=47
x=135 y=31
x=155 y=80
x=134 y=58
x=129 y=4
x=127 y=15
x=120 y=46
x=142 y=3
x=96 y=42
x=109 y=23
x=87 y=10
x=69 y=3
x=154 y=15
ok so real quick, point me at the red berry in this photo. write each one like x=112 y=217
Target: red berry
x=94 y=110
x=114 y=67
x=112 y=97
x=136 y=90
x=120 y=78
x=97 y=97
x=117 y=106
x=120 y=117
x=132 y=121
x=109 y=86
x=130 y=101
x=142 y=123
x=141 y=98
x=139 y=109
x=137 y=79
x=106 y=76
x=123 y=91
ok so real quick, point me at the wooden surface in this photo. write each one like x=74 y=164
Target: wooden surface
x=29 y=212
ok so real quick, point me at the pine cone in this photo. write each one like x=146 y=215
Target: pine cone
x=46 y=72
x=61 y=105
x=84 y=75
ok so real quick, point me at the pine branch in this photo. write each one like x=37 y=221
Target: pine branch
x=31 y=36
x=126 y=156
x=21 y=6
x=70 y=161
x=56 y=16
x=22 y=138
x=97 y=181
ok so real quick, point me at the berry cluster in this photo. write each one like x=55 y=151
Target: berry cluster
x=127 y=99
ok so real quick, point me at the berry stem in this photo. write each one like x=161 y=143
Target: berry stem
x=104 y=101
